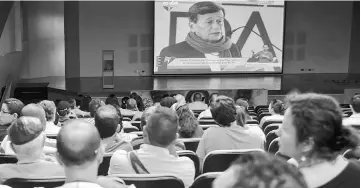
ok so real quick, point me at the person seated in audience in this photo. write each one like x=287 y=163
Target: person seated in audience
x=180 y=99
x=197 y=103
x=229 y=135
x=312 y=135
x=131 y=109
x=243 y=103
x=260 y=170
x=10 y=110
x=160 y=134
x=156 y=100
x=207 y=113
x=50 y=111
x=64 y=112
x=75 y=110
x=84 y=103
x=189 y=126
x=276 y=109
x=107 y=122
x=242 y=121
x=140 y=104
x=93 y=107
x=80 y=152
x=168 y=102
x=147 y=103
x=27 y=139
x=354 y=119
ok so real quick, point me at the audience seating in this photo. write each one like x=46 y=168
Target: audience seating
x=206 y=122
x=254 y=117
x=205 y=127
x=194 y=157
x=137 y=119
x=52 y=136
x=205 y=180
x=269 y=122
x=263 y=115
x=345 y=105
x=220 y=160
x=271 y=127
x=357 y=127
x=269 y=138
x=151 y=180
x=252 y=114
x=206 y=118
x=352 y=154
x=273 y=147
x=191 y=143
x=261 y=106
x=253 y=122
x=347 y=113
x=130 y=129
x=126 y=119
x=136 y=124
x=128 y=116
x=136 y=142
x=8 y=159
x=104 y=166
x=250 y=108
x=44 y=182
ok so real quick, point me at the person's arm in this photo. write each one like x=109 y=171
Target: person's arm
x=256 y=55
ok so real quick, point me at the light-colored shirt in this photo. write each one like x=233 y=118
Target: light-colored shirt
x=197 y=105
x=156 y=160
x=206 y=113
x=51 y=128
x=81 y=185
x=228 y=138
x=40 y=168
x=354 y=119
x=274 y=117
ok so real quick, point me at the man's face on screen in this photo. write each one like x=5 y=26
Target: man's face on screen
x=209 y=27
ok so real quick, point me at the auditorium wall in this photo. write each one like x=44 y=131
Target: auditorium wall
x=107 y=26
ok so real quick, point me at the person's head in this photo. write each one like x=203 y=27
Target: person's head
x=63 y=108
x=78 y=145
x=84 y=104
x=212 y=98
x=157 y=99
x=50 y=110
x=112 y=100
x=265 y=47
x=94 y=105
x=355 y=103
x=10 y=110
x=276 y=107
x=132 y=104
x=197 y=97
x=140 y=104
x=168 y=102
x=259 y=170
x=312 y=128
x=124 y=102
x=224 y=111
x=161 y=128
x=180 y=98
x=27 y=137
x=206 y=20
x=107 y=121
x=241 y=116
x=243 y=103
x=34 y=110
x=72 y=103
x=187 y=122
x=145 y=115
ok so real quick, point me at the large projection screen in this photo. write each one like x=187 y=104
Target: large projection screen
x=247 y=37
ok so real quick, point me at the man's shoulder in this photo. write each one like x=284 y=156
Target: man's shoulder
x=182 y=49
x=176 y=47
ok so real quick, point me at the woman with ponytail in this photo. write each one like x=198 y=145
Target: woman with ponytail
x=313 y=135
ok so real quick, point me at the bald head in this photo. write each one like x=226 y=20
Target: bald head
x=34 y=110
x=162 y=127
x=78 y=143
x=106 y=121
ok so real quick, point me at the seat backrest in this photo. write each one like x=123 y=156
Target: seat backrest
x=191 y=143
x=274 y=147
x=252 y=121
x=8 y=159
x=352 y=153
x=194 y=157
x=269 y=138
x=136 y=124
x=205 y=127
x=206 y=118
x=136 y=142
x=104 y=166
x=261 y=106
x=151 y=180
x=130 y=129
x=46 y=182
x=127 y=119
x=269 y=122
x=271 y=127
x=263 y=115
x=206 y=121
x=220 y=160
x=205 y=180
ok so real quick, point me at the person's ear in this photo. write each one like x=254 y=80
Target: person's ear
x=192 y=26
x=307 y=145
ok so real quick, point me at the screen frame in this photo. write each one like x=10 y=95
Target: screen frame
x=228 y=73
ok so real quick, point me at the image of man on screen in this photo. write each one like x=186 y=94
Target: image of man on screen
x=206 y=38
x=264 y=56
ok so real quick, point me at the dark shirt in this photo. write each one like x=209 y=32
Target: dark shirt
x=348 y=178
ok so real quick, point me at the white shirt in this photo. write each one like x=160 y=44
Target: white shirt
x=197 y=105
x=354 y=119
x=80 y=185
x=274 y=117
x=205 y=113
x=156 y=160
x=51 y=128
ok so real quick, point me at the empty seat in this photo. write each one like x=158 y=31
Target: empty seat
x=271 y=127
x=194 y=157
x=269 y=122
x=45 y=182
x=8 y=159
x=205 y=180
x=191 y=143
x=104 y=166
x=252 y=113
x=220 y=160
x=151 y=180
x=130 y=129
x=274 y=146
x=269 y=138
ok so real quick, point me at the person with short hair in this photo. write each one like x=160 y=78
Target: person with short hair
x=207 y=113
x=168 y=102
x=50 y=111
x=276 y=108
x=229 y=135
x=260 y=170
x=107 y=122
x=75 y=110
x=27 y=139
x=131 y=109
x=354 y=119
x=64 y=112
x=312 y=135
x=10 y=110
x=197 y=103
x=160 y=134
x=80 y=152
x=94 y=105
